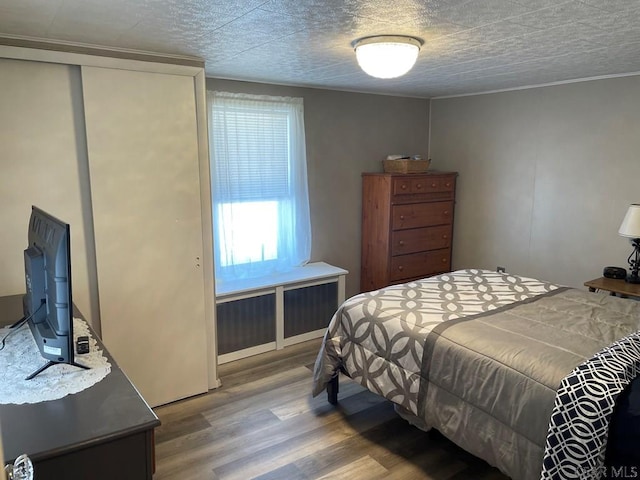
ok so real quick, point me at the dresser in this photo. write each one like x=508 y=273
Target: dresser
x=103 y=432
x=407 y=226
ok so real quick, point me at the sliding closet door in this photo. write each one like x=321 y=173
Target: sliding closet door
x=43 y=163
x=143 y=162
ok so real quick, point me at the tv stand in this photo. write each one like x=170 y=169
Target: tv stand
x=103 y=432
x=51 y=363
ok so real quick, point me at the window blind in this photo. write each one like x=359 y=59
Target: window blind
x=252 y=152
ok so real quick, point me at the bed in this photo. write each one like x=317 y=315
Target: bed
x=522 y=373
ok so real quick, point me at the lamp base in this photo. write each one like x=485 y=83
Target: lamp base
x=632 y=278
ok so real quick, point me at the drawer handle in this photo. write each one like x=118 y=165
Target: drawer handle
x=403 y=186
x=400 y=267
x=445 y=236
x=448 y=184
x=446 y=212
x=401 y=243
x=419 y=186
x=434 y=185
x=401 y=217
x=444 y=260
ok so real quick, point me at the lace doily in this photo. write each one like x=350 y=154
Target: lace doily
x=21 y=357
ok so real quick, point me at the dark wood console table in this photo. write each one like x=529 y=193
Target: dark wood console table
x=103 y=432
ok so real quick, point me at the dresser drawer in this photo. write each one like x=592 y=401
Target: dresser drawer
x=420 y=239
x=420 y=264
x=422 y=184
x=415 y=215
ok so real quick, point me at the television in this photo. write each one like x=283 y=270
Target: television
x=47 y=304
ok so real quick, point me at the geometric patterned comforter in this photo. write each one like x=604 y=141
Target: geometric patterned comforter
x=379 y=335
x=475 y=353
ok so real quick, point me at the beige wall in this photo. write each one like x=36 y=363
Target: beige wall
x=546 y=176
x=346 y=134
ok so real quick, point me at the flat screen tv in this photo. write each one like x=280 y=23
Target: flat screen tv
x=48 y=306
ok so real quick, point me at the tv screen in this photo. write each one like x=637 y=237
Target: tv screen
x=48 y=307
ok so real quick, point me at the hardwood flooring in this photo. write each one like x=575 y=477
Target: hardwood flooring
x=263 y=424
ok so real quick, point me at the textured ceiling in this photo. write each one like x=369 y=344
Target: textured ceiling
x=470 y=45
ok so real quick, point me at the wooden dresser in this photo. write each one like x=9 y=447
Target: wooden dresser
x=407 y=226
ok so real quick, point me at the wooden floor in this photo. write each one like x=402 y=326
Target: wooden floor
x=262 y=423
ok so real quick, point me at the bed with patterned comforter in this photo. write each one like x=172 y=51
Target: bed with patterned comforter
x=522 y=373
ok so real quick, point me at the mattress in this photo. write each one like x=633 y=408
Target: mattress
x=481 y=356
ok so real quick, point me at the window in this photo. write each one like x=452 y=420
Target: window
x=259 y=182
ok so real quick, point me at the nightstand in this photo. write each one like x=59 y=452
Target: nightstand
x=614 y=286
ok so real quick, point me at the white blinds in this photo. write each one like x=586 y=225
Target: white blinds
x=259 y=179
x=251 y=150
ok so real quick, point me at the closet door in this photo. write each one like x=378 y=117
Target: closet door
x=43 y=163
x=143 y=161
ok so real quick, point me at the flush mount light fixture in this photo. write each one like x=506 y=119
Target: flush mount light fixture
x=387 y=56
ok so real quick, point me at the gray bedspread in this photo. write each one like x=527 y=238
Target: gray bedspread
x=476 y=354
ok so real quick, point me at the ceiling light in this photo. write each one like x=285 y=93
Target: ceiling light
x=387 y=56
